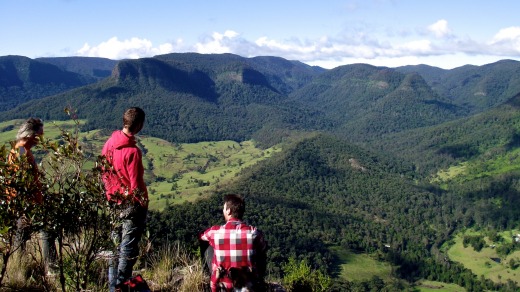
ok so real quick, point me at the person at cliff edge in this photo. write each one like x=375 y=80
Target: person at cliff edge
x=236 y=255
x=126 y=189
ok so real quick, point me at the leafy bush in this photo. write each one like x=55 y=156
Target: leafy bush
x=74 y=208
x=300 y=277
x=477 y=242
x=17 y=189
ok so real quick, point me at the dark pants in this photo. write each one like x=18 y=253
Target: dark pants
x=128 y=237
x=49 y=249
x=207 y=251
x=23 y=234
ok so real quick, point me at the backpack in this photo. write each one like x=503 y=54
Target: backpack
x=243 y=278
x=135 y=284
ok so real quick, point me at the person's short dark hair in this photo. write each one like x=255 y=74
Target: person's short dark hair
x=133 y=119
x=236 y=204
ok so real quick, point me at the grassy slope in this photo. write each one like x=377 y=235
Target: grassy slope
x=491 y=164
x=433 y=286
x=361 y=267
x=188 y=171
x=481 y=263
x=199 y=168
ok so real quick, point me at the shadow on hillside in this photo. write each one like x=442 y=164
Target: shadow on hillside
x=459 y=151
x=497 y=200
x=514 y=143
x=149 y=72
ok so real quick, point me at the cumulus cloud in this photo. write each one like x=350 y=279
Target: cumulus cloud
x=217 y=44
x=126 y=49
x=327 y=50
x=507 y=35
x=440 y=28
x=419 y=47
x=507 y=41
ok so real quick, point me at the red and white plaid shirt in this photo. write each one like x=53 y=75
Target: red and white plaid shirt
x=234 y=244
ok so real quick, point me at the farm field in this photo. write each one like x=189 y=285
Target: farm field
x=433 y=286
x=486 y=262
x=361 y=267
x=174 y=172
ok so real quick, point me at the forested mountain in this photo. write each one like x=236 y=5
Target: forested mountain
x=324 y=192
x=476 y=88
x=432 y=148
x=196 y=97
x=365 y=101
x=283 y=75
x=23 y=79
x=97 y=68
x=191 y=97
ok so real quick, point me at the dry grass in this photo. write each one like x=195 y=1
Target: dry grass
x=169 y=268
x=26 y=272
x=172 y=268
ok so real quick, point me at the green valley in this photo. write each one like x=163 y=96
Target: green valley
x=381 y=178
x=174 y=172
x=497 y=258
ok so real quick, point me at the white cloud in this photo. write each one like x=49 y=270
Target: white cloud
x=506 y=42
x=420 y=47
x=440 y=28
x=217 y=44
x=331 y=51
x=507 y=35
x=127 y=49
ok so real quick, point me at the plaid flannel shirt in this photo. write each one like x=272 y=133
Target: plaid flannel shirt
x=235 y=244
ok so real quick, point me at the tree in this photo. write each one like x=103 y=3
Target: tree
x=75 y=208
x=17 y=189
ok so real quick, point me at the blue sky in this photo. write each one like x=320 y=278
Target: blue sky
x=327 y=33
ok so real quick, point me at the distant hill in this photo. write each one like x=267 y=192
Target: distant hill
x=476 y=88
x=23 y=79
x=283 y=75
x=97 y=68
x=323 y=192
x=492 y=131
x=193 y=97
x=190 y=97
x=365 y=101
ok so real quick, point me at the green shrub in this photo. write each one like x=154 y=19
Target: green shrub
x=298 y=276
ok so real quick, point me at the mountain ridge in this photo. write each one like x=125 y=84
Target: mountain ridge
x=199 y=97
x=23 y=79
